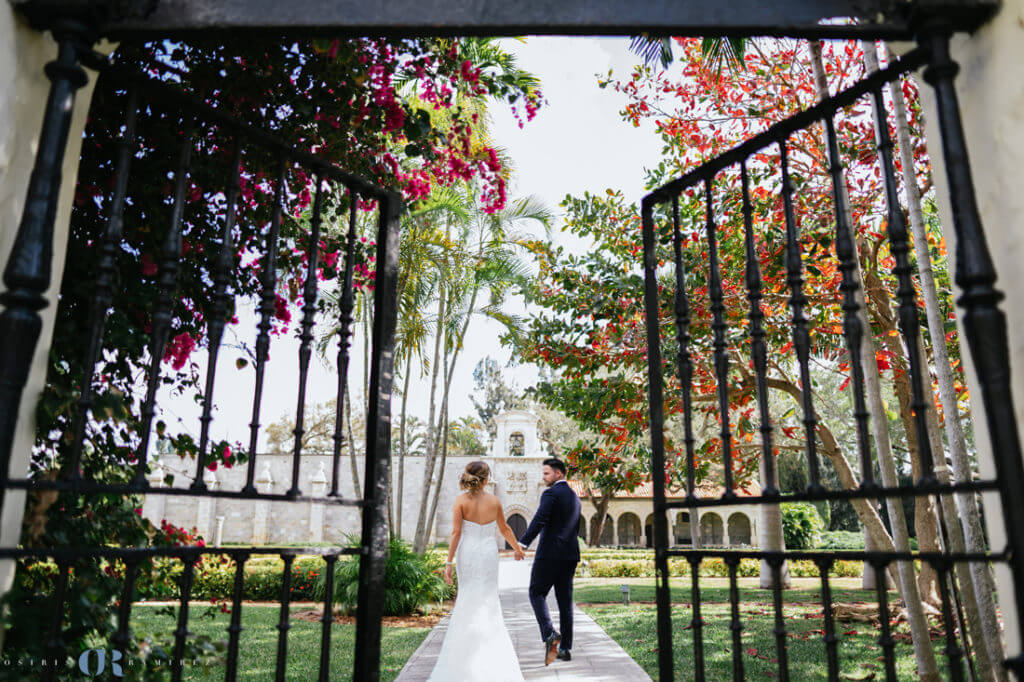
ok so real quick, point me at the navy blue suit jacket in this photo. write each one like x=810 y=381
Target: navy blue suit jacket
x=557 y=520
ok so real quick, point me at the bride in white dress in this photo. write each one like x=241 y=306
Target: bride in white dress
x=477 y=645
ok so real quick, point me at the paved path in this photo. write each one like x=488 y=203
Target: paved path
x=595 y=655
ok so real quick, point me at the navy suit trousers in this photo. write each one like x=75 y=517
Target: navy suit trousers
x=557 y=573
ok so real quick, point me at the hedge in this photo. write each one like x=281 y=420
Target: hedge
x=709 y=568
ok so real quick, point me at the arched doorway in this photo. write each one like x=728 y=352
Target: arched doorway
x=629 y=529
x=607 y=532
x=711 y=529
x=518 y=525
x=681 y=530
x=739 y=529
x=649 y=531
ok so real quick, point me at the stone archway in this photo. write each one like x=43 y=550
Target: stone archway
x=712 y=531
x=681 y=529
x=629 y=529
x=739 y=529
x=607 y=532
x=649 y=531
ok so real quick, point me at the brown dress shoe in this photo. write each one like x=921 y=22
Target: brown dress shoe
x=552 y=643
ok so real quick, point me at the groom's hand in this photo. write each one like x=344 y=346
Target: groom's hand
x=519 y=555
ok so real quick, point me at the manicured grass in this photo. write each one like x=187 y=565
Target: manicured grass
x=258 y=644
x=860 y=656
x=601 y=590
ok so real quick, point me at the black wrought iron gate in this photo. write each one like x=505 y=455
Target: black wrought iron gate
x=76 y=25
x=985 y=325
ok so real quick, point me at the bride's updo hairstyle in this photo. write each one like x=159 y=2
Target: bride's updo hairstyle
x=474 y=477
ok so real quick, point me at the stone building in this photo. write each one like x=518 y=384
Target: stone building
x=516 y=456
x=629 y=519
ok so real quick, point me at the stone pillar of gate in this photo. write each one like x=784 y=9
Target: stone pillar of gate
x=992 y=109
x=24 y=53
x=316 y=509
x=261 y=510
x=205 y=508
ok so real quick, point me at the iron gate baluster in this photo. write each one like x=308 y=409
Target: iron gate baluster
x=775 y=561
x=187 y=579
x=327 y=619
x=801 y=335
x=283 y=624
x=347 y=304
x=735 y=625
x=885 y=638
x=718 y=326
x=758 y=347
x=106 y=270
x=28 y=269
x=369 y=610
x=984 y=323
x=846 y=252
x=236 y=627
x=268 y=280
x=829 y=632
x=219 y=308
x=657 y=417
x=309 y=296
x=167 y=284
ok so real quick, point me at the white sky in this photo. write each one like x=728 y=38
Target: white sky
x=576 y=143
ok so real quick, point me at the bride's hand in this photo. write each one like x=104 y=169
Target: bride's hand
x=448 y=574
x=519 y=554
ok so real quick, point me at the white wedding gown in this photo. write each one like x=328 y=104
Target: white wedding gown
x=477 y=645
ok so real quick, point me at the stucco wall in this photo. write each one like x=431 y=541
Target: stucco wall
x=990 y=86
x=516 y=480
x=23 y=54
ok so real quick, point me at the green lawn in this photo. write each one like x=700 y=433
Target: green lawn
x=258 y=644
x=633 y=627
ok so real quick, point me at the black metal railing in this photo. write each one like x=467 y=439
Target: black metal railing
x=27 y=277
x=714 y=183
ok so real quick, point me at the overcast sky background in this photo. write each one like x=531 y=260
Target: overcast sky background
x=576 y=143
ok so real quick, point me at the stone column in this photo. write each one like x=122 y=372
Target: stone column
x=206 y=505
x=220 y=531
x=725 y=530
x=316 y=509
x=261 y=509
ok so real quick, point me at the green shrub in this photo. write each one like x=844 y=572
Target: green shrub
x=801 y=525
x=410 y=581
x=841 y=539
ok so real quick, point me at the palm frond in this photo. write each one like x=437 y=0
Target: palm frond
x=652 y=49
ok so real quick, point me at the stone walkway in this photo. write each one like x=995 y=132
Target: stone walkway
x=595 y=655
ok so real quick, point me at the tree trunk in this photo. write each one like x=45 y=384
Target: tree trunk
x=927 y=665
x=443 y=428
x=771 y=538
x=597 y=529
x=448 y=375
x=399 y=497
x=966 y=502
x=352 y=458
x=924 y=508
x=420 y=540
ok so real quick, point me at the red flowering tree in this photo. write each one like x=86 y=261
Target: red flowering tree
x=701 y=112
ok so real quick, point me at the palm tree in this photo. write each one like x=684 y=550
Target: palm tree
x=481 y=260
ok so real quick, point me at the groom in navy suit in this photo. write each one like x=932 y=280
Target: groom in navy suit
x=557 y=520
